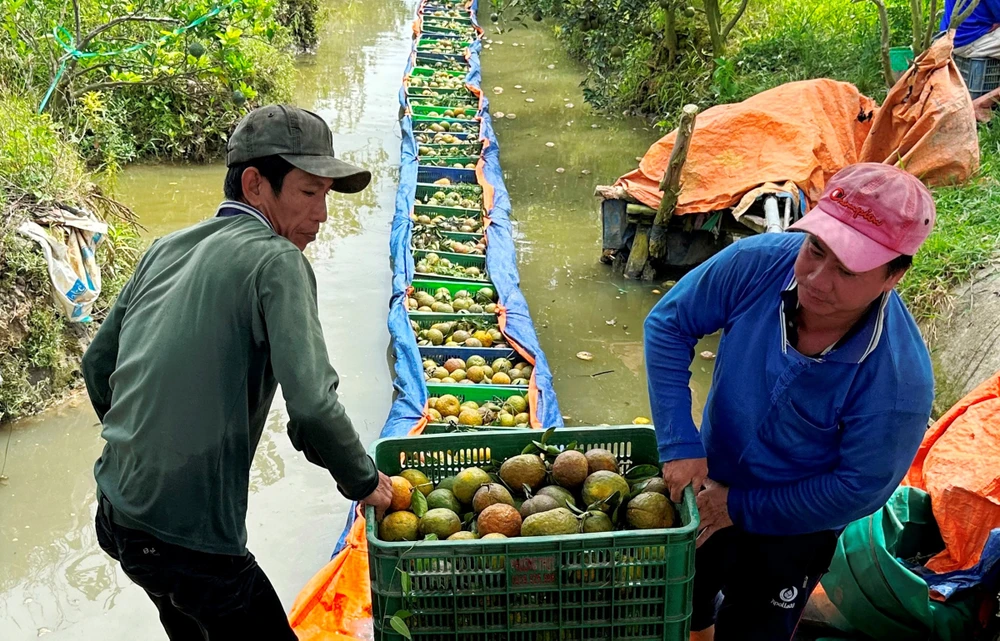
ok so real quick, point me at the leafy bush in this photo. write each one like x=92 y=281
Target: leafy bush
x=155 y=78
x=635 y=64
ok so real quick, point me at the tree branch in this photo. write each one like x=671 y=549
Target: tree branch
x=883 y=18
x=131 y=18
x=113 y=84
x=917 y=25
x=76 y=16
x=736 y=18
x=958 y=17
x=932 y=22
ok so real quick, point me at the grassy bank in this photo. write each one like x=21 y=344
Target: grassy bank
x=116 y=83
x=39 y=349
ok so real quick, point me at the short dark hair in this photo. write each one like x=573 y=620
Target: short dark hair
x=272 y=168
x=899 y=264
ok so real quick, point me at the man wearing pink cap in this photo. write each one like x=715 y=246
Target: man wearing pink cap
x=820 y=397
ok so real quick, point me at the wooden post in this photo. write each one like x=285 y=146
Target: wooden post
x=670 y=184
x=639 y=253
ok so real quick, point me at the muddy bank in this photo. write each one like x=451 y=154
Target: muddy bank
x=965 y=344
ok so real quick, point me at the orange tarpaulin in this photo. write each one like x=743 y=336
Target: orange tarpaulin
x=958 y=464
x=336 y=604
x=804 y=132
x=927 y=124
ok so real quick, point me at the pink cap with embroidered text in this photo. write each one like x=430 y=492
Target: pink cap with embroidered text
x=871 y=213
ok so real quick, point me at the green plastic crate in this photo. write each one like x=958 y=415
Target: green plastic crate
x=633 y=585
x=435 y=63
x=428 y=189
x=465 y=260
x=427 y=43
x=459 y=235
x=449 y=161
x=431 y=286
x=426 y=110
x=478 y=393
x=443 y=428
x=423 y=71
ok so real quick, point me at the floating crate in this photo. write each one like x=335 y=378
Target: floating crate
x=431 y=286
x=981 y=75
x=442 y=353
x=430 y=173
x=633 y=585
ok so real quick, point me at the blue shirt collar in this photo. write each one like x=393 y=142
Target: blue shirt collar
x=234 y=208
x=857 y=344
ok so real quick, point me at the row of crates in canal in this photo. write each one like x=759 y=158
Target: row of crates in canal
x=453 y=306
x=626 y=584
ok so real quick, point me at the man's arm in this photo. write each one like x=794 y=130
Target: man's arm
x=318 y=425
x=699 y=304
x=101 y=357
x=875 y=452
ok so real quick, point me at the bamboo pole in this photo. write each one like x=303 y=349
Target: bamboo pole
x=671 y=182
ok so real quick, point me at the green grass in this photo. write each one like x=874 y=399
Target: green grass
x=965 y=238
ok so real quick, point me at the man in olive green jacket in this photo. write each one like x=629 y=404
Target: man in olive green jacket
x=183 y=371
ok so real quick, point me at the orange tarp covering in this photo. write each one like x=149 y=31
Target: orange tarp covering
x=958 y=465
x=804 y=132
x=336 y=604
x=927 y=124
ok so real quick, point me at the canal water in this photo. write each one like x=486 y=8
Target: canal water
x=54 y=580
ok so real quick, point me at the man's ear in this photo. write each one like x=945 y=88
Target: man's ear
x=894 y=279
x=255 y=186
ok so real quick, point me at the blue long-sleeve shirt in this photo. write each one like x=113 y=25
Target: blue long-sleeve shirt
x=805 y=444
x=978 y=24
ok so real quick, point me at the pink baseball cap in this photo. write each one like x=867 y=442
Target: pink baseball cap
x=871 y=213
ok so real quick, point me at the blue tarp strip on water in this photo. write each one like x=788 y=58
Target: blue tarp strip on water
x=501 y=262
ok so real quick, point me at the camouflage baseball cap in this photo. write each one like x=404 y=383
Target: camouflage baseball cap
x=300 y=137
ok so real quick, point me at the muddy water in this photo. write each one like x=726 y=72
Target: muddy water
x=54 y=580
x=575 y=301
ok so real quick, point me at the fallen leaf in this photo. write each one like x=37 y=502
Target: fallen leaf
x=550 y=144
x=585 y=172
x=517 y=86
x=511 y=116
x=497 y=89
x=552 y=66
x=559 y=170
x=568 y=105
x=611 y=322
x=529 y=100
x=641 y=420
x=498 y=114
x=656 y=291
x=707 y=355
x=669 y=283
x=585 y=356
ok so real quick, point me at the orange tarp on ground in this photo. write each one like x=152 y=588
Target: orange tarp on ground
x=958 y=465
x=804 y=132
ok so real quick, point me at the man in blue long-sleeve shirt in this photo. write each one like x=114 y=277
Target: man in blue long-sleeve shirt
x=821 y=395
x=977 y=36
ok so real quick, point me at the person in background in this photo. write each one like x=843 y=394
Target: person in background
x=183 y=371
x=820 y=397
x=977 y=36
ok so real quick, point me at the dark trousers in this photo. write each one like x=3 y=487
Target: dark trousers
x=200 y=596
x=754 y=587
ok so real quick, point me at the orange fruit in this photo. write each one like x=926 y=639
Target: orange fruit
x=402 y=492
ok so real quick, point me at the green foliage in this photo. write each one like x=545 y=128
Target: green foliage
x=173 y=96
x=300 y=17
x=34 y=159
x=965 y=237
x=631 y=65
